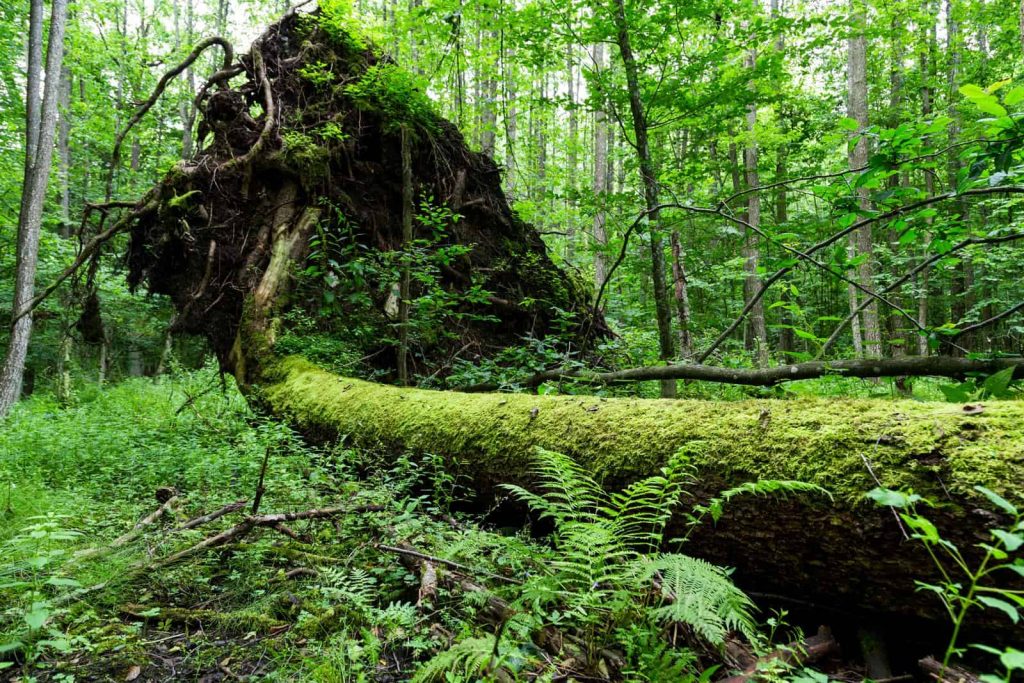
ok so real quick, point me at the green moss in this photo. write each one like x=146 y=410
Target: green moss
x=305 y=155
x=397 y=95
x=821 y=441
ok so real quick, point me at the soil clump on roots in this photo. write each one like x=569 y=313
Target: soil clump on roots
x=301 y=160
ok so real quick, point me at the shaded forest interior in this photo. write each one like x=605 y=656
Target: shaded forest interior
x=514 y=342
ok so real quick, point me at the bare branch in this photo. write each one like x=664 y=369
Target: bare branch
x=202 y=46
x=936 y=366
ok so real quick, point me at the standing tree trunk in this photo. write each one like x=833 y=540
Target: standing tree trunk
x=64 y=151
x=751 y=250
x=406 y=277
x=37 y=174
x=857 y=109
x=682 y=297
x=663 y=311
x=508 y=78
x=571 y=157
x=927 y=59
x=601 y=176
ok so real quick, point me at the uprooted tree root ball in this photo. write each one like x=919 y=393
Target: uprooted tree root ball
x=301 y=171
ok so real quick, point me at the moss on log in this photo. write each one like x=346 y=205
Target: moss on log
x=930 y=447
x=845 y=554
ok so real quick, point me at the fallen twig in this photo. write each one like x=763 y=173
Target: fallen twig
x=135 y=532
x=799 y=653
x=946 y=674
x=211 y=516
x=440 y=560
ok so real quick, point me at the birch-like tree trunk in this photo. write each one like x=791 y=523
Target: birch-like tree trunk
x=751 y=248
x=857 y=109
x=601 y=176
x=37 y=174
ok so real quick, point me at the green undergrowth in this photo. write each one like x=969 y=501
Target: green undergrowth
x=329 y=604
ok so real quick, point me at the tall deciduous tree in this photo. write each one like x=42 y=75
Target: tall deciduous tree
x=857 y=109
x=648 y=177
x=38 y=161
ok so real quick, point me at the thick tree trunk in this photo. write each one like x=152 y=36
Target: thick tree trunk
x=844 y=554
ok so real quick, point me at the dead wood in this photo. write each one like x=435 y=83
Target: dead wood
x=947 y=674
x=800 y=653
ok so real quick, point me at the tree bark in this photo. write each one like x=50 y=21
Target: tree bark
x=601 y=175
x=663 y=310
x=682 y=295
x=404 y=290
x=37 y=173
x=64 y=151
x=751 y=250
x=858 y=110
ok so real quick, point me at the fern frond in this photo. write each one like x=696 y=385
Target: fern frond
x=700 y=595
x=469 y=657
x=764 y=487
x=569 y=492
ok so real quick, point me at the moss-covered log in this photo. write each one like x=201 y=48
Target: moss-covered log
x=307 y=153
x=845 y=554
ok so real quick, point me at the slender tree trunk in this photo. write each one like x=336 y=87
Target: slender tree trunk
x=64 y=151
x=682 y=296
x=960 y=289
x=571 y=157
x=751 y=249
x=663 y=310
x=406 y=281
x=508 y=78
x=927 y=68
x=63 y=389
x=37 y=173
x=857 y=109
x=33 y=88
x=601 y=175
x=488 y=114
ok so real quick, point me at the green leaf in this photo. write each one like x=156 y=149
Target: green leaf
x=997 y=384
x=846 y=123
x=58 y=581
x=972 y=91
x=1002 y=606
x=997 y=500
x=1012 y=659
x=890 y=498
x=991 y=106
x=1011 y=541
x=37 y=617
x=1014 y=96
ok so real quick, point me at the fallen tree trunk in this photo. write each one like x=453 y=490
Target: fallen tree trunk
x=230 y=241
x=845 y=554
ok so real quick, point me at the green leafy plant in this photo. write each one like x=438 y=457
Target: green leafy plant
x=967 y=585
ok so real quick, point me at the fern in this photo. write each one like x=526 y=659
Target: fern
x=698 y=594
x=470 y=657
x=765 y=487
x=353 y=585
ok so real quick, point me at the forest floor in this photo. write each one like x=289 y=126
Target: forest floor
x=109 y=571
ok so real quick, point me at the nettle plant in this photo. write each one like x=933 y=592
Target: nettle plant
x=966 y=587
